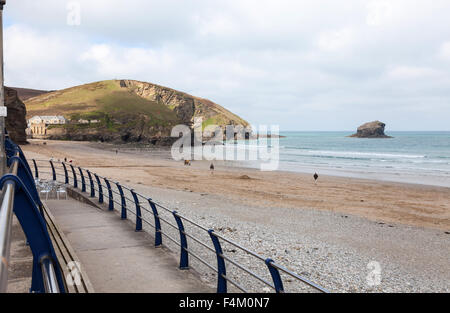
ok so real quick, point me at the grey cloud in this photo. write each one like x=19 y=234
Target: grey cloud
x=300 y=64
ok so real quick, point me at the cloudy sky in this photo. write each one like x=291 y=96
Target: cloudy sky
x=304 y=65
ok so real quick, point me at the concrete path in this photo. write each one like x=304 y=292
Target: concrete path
x=115 y=257
x=21 y=261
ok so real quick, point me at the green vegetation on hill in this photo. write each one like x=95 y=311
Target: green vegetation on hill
x=101 y=101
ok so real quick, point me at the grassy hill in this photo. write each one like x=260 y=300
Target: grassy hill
x=125 y=109
x=27 y=93
x=98 y=100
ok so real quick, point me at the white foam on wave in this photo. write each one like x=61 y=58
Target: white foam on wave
x=364 y=154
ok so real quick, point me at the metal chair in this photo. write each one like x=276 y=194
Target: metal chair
x=46 y=192
x=61 y=190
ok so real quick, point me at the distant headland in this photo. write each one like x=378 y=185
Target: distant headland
x=120 y=111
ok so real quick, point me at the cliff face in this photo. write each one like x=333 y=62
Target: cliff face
x=371 y=130
x=186 y=107
x=15 y=121
x=182 y=105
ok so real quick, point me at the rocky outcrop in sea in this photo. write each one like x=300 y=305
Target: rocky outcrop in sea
x=371 y=130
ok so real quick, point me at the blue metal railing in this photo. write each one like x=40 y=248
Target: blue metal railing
x=274 y=269
x=19 y=196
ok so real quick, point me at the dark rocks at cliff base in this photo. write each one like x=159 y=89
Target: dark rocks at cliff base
x=15 y=121
x=371 y=130
x=157 y=136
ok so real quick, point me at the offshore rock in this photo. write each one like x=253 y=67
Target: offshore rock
x=371 y=130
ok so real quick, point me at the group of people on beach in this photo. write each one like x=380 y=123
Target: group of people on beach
x=211 y=167
x=65 y=160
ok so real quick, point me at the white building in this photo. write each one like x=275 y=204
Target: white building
x=37 y=125
x=48 y=120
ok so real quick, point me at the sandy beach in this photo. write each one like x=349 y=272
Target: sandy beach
x=409 y=204
x=329 y=231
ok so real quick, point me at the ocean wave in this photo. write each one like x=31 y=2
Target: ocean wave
x=323 y=156
x=297 y=148
x=364 y=154
x=353 y=155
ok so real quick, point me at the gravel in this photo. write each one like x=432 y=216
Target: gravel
x=333 y=250
x=336 y=251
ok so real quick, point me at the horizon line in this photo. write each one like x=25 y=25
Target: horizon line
x=354 y=130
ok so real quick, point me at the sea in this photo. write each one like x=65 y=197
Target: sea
x=408 y=157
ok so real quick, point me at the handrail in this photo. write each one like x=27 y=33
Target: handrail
x=306 y=281
x=48 y=271
x=239 y=246
x=19 y=196
x=6 y=214
x=185 y=252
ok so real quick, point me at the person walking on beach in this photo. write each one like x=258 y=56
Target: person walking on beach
x=211 y=168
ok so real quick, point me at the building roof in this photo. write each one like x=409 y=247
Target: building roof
x=48 y=117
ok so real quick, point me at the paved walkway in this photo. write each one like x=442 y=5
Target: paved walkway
x=21 y=261
x=115 y=257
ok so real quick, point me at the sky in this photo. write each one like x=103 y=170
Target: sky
x=302 y=65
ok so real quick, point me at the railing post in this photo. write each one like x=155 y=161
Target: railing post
x=184 y=257
x=158 y=236
x=91 y=183
x=138 y=211
x=100 y=189
x=75 y=180
x=83 y=181
x=53 y=170
x=278 y=283
x=123 y=214
x=221 y=269
x=36 y=172
x=110 y=196
x=66 y=175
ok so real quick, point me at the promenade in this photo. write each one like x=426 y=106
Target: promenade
x=115 y=257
